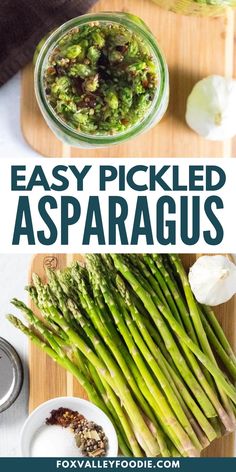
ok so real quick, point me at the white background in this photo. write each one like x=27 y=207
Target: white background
x=12 y=143
x=14 y=268
x=91 y=187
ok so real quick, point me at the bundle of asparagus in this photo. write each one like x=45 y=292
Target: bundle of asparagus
x=154 y=360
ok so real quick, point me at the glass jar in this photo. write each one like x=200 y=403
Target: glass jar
x=154 y=114
x=197 y=7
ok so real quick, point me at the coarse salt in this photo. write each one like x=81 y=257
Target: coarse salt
x=54 y=441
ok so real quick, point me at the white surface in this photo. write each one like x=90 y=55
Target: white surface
x=13 y=278
x=12 y=143
x=91 y=412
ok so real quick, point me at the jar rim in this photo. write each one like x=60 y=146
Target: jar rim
x=139 y=28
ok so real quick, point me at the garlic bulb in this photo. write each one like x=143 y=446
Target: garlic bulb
x=213 y=279
x=211 y=108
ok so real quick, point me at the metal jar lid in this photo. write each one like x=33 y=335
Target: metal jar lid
x=11 y=375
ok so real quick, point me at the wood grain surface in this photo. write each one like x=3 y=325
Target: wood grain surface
x=47 y=380
x=194 y=48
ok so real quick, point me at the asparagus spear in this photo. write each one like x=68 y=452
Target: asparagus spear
x=202 y=337
x=55 y=315
x=113 y=378
x=57 y=347
x=226 y=359
x=100 y=349
x=202 y=374
x=95 y=316
x=209 y=313
x=61 y=358
x=155 y=313
x=58 y=357
x=114 y=407
x=91 y=309
x=179 y=387
x=212 y=395
x=107 y=320
x=169 y=341
x=165 y=280
x=166 y=387
x=111 y=300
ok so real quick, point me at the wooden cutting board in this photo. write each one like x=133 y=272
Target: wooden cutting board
x=48 y=380
x=194 y=48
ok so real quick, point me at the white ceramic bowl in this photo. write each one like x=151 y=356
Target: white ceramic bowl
x=91 y=412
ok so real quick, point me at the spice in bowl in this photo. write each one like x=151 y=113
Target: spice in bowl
x=101 y=78
x=70 y=434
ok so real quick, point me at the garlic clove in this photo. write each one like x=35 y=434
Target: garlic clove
x=211 y=108
x=213 y=279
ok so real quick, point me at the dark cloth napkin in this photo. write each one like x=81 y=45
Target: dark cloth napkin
x=23 y=23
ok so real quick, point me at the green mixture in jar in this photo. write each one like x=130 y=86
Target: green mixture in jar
x=101 y=78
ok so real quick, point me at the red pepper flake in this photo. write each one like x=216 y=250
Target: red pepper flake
x=63 y=417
